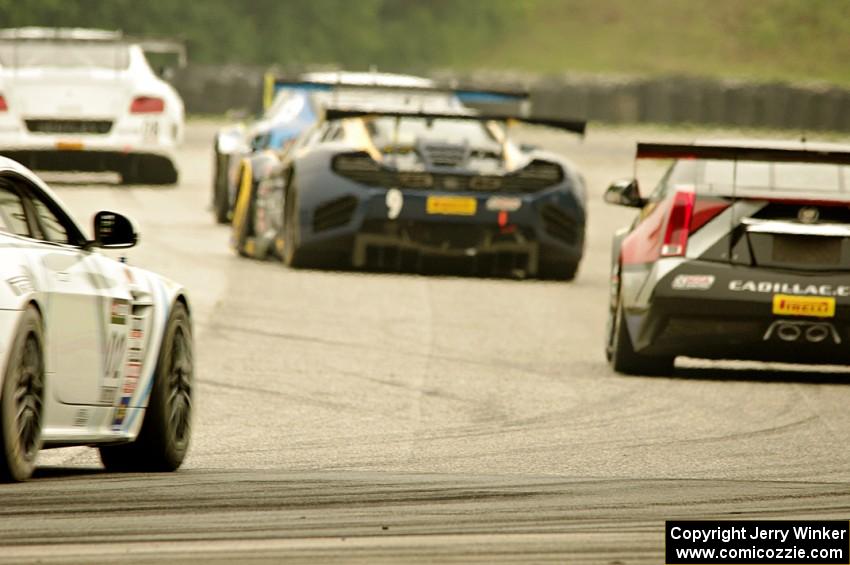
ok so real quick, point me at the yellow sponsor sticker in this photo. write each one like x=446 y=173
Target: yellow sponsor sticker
x=69 y=145
x=814 y=306
x=451 y=205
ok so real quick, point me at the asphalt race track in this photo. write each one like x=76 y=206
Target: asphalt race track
x=361 y=417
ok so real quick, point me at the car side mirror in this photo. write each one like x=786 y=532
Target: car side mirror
x=113 y=231
x=625 y=192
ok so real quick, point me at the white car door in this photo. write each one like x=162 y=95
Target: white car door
x=87 y=313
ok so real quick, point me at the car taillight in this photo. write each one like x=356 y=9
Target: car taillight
x=147 y=105
x=3 y=106
x=665 y=230
x=678 y=224
x=688 y=214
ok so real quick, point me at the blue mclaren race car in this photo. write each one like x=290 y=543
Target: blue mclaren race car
x=402 y=188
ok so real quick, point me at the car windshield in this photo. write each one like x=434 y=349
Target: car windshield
x=64 y=54
x=760 y=176
x=404 y=132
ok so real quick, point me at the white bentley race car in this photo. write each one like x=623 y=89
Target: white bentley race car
x=87 y=100
x=92 y=351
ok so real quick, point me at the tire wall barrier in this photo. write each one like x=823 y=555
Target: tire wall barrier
x=608 y=99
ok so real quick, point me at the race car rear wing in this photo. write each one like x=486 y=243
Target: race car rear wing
x=466 y=95
x=574 y=126
x=156 y=45
x=813 y=154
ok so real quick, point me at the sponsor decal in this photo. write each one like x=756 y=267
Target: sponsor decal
x=787 y=305
x=120 y=413
x=451 y=205
x=771 y=287
x=693 y=282
x=119 y=310
x=107 y=394
x=503 y=204
x=69 y=145
x=137 y=333
x=81 y=418
x=113 y=360
x=131 y=382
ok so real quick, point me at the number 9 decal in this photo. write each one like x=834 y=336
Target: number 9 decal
x=395 y=202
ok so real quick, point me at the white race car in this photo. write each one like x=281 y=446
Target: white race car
x=92 y=351
x=86 y=100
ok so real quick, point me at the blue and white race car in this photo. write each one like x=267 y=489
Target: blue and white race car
x=92 y=351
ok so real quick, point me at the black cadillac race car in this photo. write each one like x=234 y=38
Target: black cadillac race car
x=396 y=188
x=741 y=252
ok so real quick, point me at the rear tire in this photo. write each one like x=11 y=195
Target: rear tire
x=246 y=225
x=221 y=200
x=163 y=440
x=22 y=400
x=623 y=357
x=293 y=256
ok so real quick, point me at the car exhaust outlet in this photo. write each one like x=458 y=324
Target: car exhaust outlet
x=817 y=333
x=789 y=332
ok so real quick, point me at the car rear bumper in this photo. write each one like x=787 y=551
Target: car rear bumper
x=715 y=310
x=546 y=227
x=116 y=141
x=86 y=160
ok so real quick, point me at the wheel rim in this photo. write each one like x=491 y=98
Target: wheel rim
x=29 y=397
x=180 y=374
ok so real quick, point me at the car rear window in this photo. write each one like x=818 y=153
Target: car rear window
x=64 y=54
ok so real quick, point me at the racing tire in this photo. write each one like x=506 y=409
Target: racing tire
x=163 y=440
x=557 y=270
x=246 y=226
x=623 y=357
x=22 y=400
x=293 y=256
x=221 y=203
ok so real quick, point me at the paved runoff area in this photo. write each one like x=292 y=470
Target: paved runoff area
x=363 y=417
